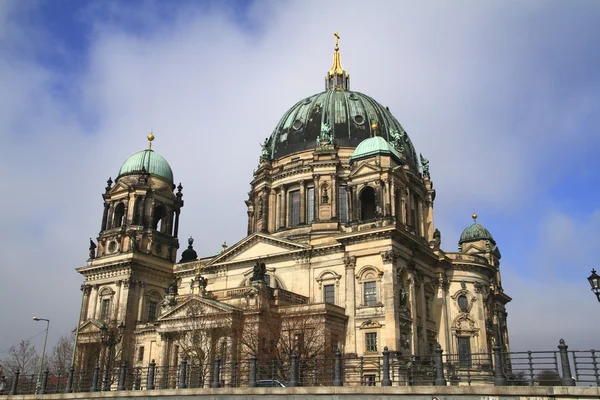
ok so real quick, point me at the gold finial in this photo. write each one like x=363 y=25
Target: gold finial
x=374 y=127
x=474 y=216
x=150 y=138
x=336 y=68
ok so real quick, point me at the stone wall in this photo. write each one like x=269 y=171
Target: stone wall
x=341 y=393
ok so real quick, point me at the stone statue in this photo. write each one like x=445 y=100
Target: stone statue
x=397 y=140
x=265 y=152
x=92 y=249
x=258 y=274
x=425 y=165
x=326 y=137
x=403 y=297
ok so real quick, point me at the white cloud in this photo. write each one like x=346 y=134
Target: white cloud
x=475 y=86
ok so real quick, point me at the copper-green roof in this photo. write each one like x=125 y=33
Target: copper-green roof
x=147 y=161
x=475 y=232
x=374 y=146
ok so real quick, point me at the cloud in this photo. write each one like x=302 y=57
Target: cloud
x=493 y=94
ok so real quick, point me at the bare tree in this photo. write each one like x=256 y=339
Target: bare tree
x=23 y=357
x=59 y=360
x=202 y=337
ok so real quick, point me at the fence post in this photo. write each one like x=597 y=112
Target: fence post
x=44 y=383
x=94 y=387
x=15 y=382
x=386 y=381
x=69 y=387
x=150 y=383
x=252 y=373
x=216 y=382
x=294 y=370
x=499 y=379
x=183 y=374
x=440 y=380
x=567 y=377
x=122 y=375
x=337 y=377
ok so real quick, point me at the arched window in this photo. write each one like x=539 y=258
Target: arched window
x=118 y=215
x=160 y=215
x=368 y=207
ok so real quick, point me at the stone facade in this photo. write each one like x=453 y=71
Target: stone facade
x=341 y=253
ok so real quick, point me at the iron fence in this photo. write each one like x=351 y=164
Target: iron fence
x=386 y=369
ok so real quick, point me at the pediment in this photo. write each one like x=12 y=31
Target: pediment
x=90 y=327
x=119 y=188
x=257 y=246
x=196 y=306
x=472 y=248
x=364 y=168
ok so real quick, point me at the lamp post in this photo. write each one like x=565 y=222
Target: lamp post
x=109 y=340
x=39 y=380
x=594 y=280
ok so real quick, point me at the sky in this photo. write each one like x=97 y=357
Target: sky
x=501 y=96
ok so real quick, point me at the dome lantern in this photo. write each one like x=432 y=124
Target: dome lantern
x=337 y=78
x=475 y=232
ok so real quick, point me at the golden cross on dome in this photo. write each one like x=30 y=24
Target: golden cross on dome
x=337 y=38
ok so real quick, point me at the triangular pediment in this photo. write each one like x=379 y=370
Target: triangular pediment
x=196 y=305
x=89 y=327
x=257 y=246
x=364 y=168
x=472 y=248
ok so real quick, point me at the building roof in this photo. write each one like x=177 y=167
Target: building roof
x=374 y=146
x=475 y=232
x=147 y=161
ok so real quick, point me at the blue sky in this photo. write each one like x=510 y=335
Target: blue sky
x=500 y=96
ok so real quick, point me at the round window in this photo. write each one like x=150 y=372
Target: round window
x=112 y=246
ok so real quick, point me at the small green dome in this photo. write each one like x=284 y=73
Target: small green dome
x=372 y=146
x=147 y=161
x=475 y=232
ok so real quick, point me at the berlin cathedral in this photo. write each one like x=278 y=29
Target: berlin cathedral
x=341 y=254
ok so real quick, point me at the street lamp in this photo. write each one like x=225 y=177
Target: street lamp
x=39 y=381
x=594 y=280
x=109 y=340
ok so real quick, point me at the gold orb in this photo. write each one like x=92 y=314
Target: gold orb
x=374 y=126
x=150 y=137
x=474 y=216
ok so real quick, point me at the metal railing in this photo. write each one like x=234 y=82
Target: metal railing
x=530 y=368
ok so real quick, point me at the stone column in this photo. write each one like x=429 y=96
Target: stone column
x=126 y=219
x=350 y=301
x=421 y=221
x=388 y=259
x=165 y=344
x=104 y=225
x=86 y=289
x=272 y=223
x=302 y=202
x=393 y=200
x=94 y=301
x=284 y=208
x=334 y=196
x=349 y=210
x=141 y=299
x=176 y=231
x=403 y=208
x=265 y=210
x=413 y=309
x=355 y=203
x=109 y=219
x=387 y=207
x=317 y=201
x=117 y=301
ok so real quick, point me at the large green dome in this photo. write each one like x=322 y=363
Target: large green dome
x=372 y=146
x=475 y=232
x=345 y=115
x=147 y=161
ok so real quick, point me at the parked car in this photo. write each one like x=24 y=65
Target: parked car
x=270 y=383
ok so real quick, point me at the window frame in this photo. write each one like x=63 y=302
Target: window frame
x=105 y=309
x=370 y=293
x=329 y=288
x=371 y=342
x=294 y=208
